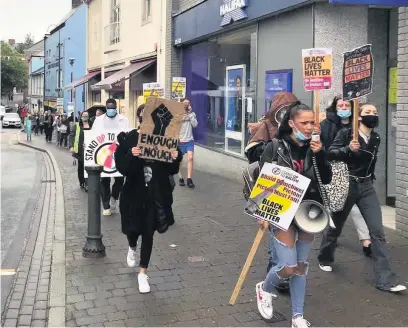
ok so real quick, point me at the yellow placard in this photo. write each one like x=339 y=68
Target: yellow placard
x=178 y=87
x=152 y=90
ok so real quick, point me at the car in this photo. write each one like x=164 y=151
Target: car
x=11 y=119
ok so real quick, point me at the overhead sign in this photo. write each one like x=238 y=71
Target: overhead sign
x=317 y=66
x=358 y=68
x=233 y=10
x=397 y=3
x=277 y=195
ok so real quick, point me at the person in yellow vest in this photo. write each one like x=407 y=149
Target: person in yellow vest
x=76 y=141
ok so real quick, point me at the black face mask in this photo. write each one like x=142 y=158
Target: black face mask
x=370 y=121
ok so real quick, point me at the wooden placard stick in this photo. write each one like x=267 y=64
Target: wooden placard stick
x=355 y=120
x=247 y=265
x=316 y=106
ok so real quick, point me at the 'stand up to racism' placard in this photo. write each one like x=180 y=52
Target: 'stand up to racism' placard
x=358 y=68
x=317 y=69
x=159 y=133
x=276 y=195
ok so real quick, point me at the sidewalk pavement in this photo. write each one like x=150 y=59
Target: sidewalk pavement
x=195 y=266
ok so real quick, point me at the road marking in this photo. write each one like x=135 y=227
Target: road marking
x=7 y=272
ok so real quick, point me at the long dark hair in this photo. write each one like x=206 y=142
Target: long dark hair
x=139 y=112
x=333 y=107
x=284 y=128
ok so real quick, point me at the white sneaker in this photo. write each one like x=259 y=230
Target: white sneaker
x=113 y=203
x=131 y=257
x=264 y=301
x=300 y=322
x=144 y=286
x=398 y=288
x=107 y=212
x=325 y=268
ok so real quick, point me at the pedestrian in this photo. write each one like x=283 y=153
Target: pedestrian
x=41 y=121
x=112 y=120
x=296 y=151
x=56 y=128
x=34 y=123
x=361 y=157
x=48 y=121
x=37 y=124
x=338 y=116
x=262 y=133
x=64 y=131
x=28 y=124
x=146 y=200
x=187 y=141
x=76 y=141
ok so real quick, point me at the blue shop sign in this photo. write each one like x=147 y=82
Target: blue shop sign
x=398 y=3
x=233 y=11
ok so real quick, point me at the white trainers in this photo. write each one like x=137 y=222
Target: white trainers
x=325 y=268
x=113 y=203
x=144 y=286
x=398 y=288
x=264 y=301
x=131 y=257
x=107 y=212
x=300 y=322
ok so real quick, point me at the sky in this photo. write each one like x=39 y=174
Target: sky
x=20 y=17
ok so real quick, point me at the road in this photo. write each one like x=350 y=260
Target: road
x=20 y=181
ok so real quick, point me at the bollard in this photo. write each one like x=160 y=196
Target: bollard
x=94 y=247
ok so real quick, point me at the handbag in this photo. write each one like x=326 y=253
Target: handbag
x=338 y=189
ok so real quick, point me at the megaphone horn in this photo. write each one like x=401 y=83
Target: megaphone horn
x=312 y=217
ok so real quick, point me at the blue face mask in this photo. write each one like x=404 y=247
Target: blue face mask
x=344 y=113
x=111 y=112
x=300 y=136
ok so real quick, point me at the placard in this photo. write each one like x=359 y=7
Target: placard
x=152 y=90
x=178 y=88
x=159 y=134
x=100 y=147
x=358 y=68
x=277 y=195
x=317 y=65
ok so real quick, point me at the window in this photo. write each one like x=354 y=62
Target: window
x=147 y=9
x=112 y=31
x=115 y=11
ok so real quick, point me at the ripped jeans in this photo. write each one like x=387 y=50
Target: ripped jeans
x=288 y=259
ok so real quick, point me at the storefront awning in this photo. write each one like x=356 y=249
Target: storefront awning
x=82 y=80
x=123 y=74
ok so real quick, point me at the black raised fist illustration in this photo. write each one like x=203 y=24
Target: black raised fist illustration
x=161 y=117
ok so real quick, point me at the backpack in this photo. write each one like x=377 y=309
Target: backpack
x=251 y=172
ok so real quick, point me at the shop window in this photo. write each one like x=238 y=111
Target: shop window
x=221 y=83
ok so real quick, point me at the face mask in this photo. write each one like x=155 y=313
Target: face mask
x=111 y=112
x=344 y=113
x=370 y=121
x=85 y=119
x=300 y=136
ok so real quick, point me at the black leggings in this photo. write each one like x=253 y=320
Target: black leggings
x=145 y=250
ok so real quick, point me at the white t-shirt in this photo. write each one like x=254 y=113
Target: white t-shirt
x=103 y=122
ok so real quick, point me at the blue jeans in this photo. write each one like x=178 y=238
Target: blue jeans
x=287 y=259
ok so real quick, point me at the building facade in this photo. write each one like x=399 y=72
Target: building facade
x=248 y=50
x=65 y=60
x=35 y=93
x=126 y=48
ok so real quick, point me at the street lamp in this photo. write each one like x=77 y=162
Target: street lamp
x=71 y=61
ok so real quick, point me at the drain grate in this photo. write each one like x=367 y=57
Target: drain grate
x=194 y=259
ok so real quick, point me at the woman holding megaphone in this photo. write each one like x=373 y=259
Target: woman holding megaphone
x=296 y=150
x=360 y=155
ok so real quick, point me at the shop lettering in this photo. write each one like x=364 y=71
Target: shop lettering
x=154 y=140
x=231 y=6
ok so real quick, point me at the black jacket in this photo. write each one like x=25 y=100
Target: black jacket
x=329 y=127
x=285 y=158
x=144 y=208
x=361 y=163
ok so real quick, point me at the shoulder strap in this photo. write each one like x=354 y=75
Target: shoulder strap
x=275 y=145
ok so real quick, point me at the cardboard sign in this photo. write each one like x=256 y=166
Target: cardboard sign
x=152 y=90
x=358 y=68
x=178 y=88
x=160 y=130
x=100 y=147
x=276 y=195
x=317 y=67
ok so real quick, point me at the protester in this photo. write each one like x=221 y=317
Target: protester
x=361 y=157
x=37 y=124
x=64 y=130
x=338 y=116
x=76 y=140
x=187 y=141
x=28 y=127
x=139 y=116
x=295 y=150
x=48 y=121
x=112 y=120
x=41 y=121
x=145 y=201
x=263 y=132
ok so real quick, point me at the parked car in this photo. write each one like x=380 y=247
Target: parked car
x=11 y=120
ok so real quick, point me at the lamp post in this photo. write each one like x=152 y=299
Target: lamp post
x=71 y=63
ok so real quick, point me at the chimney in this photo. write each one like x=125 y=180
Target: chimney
x=76 y=3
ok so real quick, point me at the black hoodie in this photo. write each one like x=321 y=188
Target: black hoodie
x=329 y=128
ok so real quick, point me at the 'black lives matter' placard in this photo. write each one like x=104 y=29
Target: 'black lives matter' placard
x=159 y=132
x=358 y=68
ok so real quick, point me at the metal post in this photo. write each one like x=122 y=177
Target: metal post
x=94 y=247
